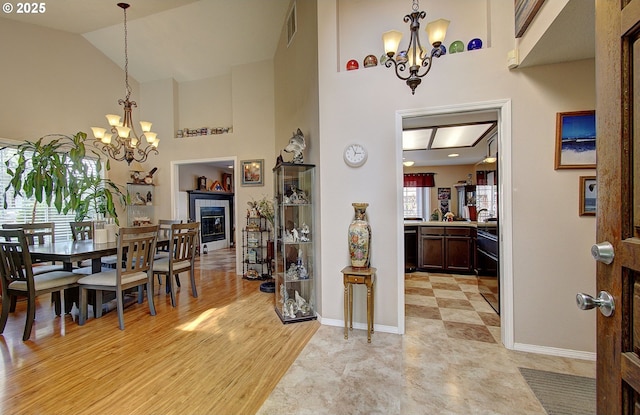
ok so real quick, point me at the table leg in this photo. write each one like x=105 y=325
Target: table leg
x=350 y=306
x=96 y=265
x=369 y=312
x=346 y=310
x=373 y=302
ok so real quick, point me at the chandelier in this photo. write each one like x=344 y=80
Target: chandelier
x=126 y=145
x=415 y=55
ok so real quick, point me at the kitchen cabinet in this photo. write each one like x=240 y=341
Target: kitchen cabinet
x=447 y=248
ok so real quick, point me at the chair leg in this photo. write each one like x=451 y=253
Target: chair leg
x=140 y=293
x=194 y=291
x=55 y=299
x=98 y=308
x=177 y=280
x=150 y=291
x=172 y=291
x=6 y=305
x=31 y=315
x=120 y=306
x=14 y=301
x=82 y=317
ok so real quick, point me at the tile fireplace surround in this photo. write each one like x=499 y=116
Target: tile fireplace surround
x=200 y=199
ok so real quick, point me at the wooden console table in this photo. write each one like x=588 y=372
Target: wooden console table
x=350 y=276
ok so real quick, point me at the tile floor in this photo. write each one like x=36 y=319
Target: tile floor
x=450 y=361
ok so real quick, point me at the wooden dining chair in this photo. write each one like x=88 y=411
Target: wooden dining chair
x=136 y=248
x=183 y=238
x=38 y=234
x=164 y=231
x=18 y=279
x=81 y=231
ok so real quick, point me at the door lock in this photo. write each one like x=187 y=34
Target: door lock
x=604 y=302
x=603 y=252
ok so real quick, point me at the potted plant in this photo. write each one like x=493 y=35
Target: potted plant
x=51 y=169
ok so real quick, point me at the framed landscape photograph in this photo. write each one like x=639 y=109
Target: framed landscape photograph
x=588 y=195
x=576 y=140
x=252 y=172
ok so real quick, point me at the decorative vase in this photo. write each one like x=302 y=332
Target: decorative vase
x=360 y=237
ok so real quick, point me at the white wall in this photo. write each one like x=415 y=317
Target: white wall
x=54 y=82
x=550 y=242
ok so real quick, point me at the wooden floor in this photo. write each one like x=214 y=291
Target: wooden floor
x=220 y=353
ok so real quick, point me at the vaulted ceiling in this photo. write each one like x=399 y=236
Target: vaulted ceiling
x=181 y=39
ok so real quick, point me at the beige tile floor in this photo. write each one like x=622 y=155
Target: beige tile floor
x=450 y=361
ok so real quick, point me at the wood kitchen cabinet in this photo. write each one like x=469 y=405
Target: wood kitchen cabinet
x=447 y=248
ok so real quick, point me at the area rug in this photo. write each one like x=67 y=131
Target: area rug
x=562 y=394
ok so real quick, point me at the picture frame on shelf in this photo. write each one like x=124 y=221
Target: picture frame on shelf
x=575 y=140
x=252 y=172
x=227 y=182
x=588 y=195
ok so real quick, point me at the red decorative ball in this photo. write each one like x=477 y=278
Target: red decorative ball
x=352 y=64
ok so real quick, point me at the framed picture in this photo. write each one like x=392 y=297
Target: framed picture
x=252 y=172
x=227 y=182
x=525 y=11
x=588 y=195
x=576 y=140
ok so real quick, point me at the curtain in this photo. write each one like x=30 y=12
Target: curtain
x=419 y=180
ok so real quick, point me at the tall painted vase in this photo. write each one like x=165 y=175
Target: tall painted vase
x=360 y=237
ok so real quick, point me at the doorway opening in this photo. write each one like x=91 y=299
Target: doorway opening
x=501 y=109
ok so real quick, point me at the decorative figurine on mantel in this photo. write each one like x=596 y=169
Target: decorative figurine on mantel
x=296 y=146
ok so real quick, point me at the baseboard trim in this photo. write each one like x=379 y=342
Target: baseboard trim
x=554 y=351
x=360 y=326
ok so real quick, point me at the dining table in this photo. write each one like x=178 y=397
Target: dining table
x=72 y=252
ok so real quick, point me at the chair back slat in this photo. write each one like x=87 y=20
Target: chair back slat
x=136 y=249
x=183 y=241
x=36 y=233
x=81 y=231
x=15 y=259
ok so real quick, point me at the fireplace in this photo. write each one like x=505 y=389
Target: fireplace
x=214 y=211
x=212 y=223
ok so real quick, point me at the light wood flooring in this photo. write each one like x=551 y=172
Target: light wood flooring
x=220 y=353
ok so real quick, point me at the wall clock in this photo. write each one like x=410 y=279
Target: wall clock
x=355 y=155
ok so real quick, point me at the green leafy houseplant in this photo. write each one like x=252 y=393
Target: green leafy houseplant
x=52 y=171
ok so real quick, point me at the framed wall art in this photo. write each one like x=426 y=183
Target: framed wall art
x=525 y=11
x=588 y=195
x=576 y=140
x=252 y=172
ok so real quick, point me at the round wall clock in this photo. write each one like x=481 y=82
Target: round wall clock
x=355 y=155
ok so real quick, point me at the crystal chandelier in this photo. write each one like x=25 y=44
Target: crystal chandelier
x=126 y=145
x=415 y=55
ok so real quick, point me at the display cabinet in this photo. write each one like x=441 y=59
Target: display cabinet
x=140 y=204
x=256 y=257
x=294 y=242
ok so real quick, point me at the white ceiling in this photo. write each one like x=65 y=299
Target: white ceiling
x=181 y=39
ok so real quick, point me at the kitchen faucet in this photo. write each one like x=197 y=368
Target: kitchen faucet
x=480 y=211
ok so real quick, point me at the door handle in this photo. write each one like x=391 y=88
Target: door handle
x=604 y=302
x=603 y=252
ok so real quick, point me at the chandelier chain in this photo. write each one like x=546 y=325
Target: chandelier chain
x=126 y=57
x=415 y=6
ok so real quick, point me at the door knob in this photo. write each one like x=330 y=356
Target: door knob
x=604 y=302
x=603 y=252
